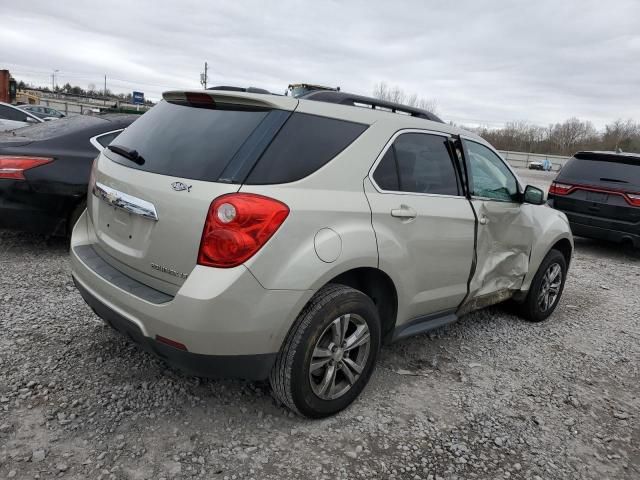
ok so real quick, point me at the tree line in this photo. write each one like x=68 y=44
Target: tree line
x=91 y=92
x=564 y=138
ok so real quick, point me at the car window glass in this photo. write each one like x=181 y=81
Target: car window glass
x=106 y=139
x=386 y=173
x=188 y=142
x=9 y=113
x=423 y=165
x=304 y=144
x=607 y=170
x=490 y=177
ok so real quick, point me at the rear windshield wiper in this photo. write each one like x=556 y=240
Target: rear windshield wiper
x=614 y=180
x=128 y=153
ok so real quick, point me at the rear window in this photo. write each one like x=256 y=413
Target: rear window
x=57 y=128
x=188 y=142
x=608 y=170
x=305 y=143
x=226 y=145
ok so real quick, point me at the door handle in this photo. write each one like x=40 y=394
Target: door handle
x=404 y=212
x=483 y=220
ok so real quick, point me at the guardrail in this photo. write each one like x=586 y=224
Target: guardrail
x=523 y=159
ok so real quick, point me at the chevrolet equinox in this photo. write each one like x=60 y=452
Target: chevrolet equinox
x=259 y=236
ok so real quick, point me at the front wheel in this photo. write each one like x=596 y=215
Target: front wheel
x=546 y=288
x=329 y=354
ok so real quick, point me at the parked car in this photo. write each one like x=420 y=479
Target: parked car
x=262 y=236
x=44 y=170
x=600 y=194
x=544 y=165
x=46 y=113
x=12 y=117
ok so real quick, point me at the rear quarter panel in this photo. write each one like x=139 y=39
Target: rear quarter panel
x=332 y=197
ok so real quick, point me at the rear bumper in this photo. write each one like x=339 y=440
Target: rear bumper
x=22 y=208
x=228 y=322
x=616 y=236
x=601 y=227
x=251 y=367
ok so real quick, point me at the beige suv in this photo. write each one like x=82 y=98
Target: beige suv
x=260 y=236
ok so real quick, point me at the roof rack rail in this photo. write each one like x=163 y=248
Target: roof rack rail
x=350 y=99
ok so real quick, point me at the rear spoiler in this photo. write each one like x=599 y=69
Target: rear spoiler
x=226 y=99
x=629 y=158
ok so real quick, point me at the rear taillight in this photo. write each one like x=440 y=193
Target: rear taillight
x=237 y=226
x=560 y=188
x=13 y=167
x=633 y=199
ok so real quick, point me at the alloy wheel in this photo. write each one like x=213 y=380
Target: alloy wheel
x=339 y=356
x=550 y=288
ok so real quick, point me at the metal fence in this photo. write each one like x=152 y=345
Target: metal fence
x=523 y=160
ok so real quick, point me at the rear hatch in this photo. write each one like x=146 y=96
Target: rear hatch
x=154 y=184
x=599 y=189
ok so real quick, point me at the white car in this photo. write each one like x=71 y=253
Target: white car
x=12 y=117
x=261 y=236
x=40 y=111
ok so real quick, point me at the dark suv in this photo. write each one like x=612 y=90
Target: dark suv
x=600 y=194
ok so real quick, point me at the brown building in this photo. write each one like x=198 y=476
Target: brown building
x=7 y=87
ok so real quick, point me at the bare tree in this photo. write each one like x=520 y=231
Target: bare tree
x=395 y=94
x=564 y=138
x=622 y=134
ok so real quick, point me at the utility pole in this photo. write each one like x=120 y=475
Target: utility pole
x=203 y=76
x=53 y=80
x=105 y=89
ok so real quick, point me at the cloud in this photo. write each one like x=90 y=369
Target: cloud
x=484 y=62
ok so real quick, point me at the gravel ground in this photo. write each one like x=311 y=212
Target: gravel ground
x=489 y=397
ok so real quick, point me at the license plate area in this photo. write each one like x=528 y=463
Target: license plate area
x=597 y=197
x=123 y=231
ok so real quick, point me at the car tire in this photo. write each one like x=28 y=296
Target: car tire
x=545 y=291
x=312 y=375
x=75 y=215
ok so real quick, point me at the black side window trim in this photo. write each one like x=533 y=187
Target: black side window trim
x=391 y=146
x=250 y=152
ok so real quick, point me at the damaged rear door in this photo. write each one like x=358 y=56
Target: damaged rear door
x=504 y=230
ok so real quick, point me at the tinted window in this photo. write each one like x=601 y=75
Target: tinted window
x=305 y=143
x=490 y=177
x=423 y=163
x=9 y=113
x=184 y=141
x=42 y=131
x=621 y=171
x=105 y=140
x=386 y=174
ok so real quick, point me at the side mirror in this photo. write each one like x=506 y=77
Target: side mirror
x=534 y=195
x=31 y=120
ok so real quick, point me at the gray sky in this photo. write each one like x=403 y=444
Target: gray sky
x=484 y=62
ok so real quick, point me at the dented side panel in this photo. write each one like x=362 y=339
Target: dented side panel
x=504 y=241
x=550 y=227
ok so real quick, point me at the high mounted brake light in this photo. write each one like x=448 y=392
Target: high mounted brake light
x=200 y=100
x=237 y=226
x=13 y=167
